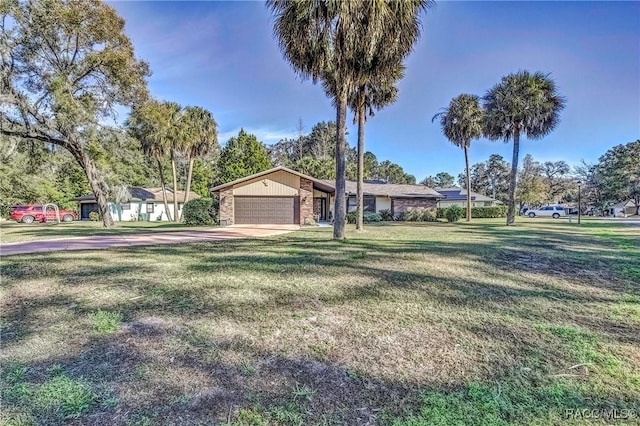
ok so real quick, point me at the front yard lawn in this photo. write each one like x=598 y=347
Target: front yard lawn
x=404 y=324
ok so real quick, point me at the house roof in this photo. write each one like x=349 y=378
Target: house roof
x=455 y=193
x=623 y=204
x=393 y=190
x=147 y=194
x=320 y=184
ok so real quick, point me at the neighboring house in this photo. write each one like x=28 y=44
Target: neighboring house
x=455 y=196
x=284 y=196
x=397 y=198
x=623 y=209
x=276 y=196
x=144 y=204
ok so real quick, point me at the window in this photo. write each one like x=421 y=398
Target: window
x=150 y=207
x=125 y=206
x=369 y=204
x=559 y=208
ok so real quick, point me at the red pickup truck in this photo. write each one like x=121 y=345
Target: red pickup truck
x=33 y=213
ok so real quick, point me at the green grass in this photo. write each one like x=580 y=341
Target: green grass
x=105 y=322
x=12 y=232
x=403 y=324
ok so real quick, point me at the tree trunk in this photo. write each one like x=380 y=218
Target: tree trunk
x=340 y=207
x=164 y=190
x=511 y=208
x=360 y=190
x=98 y=187
x=175 y=186
x=188 y=186
x=466 y=163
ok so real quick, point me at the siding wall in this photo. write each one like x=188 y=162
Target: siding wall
x=131 y=214
x=279 y=183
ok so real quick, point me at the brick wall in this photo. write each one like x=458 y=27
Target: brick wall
x=401 y=205
x=225 y=214
x=306 y=201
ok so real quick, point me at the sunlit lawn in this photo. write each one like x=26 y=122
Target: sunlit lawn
x=405 y=324
x=11 y=232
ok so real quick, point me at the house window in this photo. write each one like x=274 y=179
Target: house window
x=150 y=207
x=125 y=206
x=369 y=204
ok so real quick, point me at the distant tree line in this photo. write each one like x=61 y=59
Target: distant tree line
x=613 y=178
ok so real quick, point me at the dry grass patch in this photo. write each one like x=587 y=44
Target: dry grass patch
x=406 y=324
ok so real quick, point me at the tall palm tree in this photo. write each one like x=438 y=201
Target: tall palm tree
x=523 y=103
x=373 y=93
x=461 y=122
x=149 y=124
x=337 y=39
x=200 y=137
x=175 y=136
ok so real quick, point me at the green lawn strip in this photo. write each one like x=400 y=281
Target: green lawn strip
x=11 y=232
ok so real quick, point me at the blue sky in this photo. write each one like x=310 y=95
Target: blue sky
x=222 y=56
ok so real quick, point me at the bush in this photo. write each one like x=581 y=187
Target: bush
x=371 y=217
x=454 y=213
x=352 y=217
x=479 y=212
x=367 y=217
x=94 y=216
x=198 y=212
x=386 y=215
x=419 y=215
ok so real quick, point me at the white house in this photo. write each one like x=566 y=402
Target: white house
x=145 y=204
x=623 y=209
x=455 y=196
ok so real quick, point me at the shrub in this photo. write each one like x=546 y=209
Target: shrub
x=94 y=216
x=454 y=213
x=371 y=217
x=479 y=212
x=429 y=216
x=367 y=217
x=420 y=215
x=198 y=212
x=351 y=217
x=386 y=215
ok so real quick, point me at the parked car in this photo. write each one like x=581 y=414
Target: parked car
x=548 y=211
x=33 y=213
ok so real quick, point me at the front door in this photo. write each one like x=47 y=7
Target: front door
x=320 y=208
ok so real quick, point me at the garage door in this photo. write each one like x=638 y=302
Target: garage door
x=266 y=210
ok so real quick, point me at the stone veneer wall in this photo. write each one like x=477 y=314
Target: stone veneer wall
x=306 y=201
x=225 y=214
x=401 y=205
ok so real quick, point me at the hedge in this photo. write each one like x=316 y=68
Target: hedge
x=479 y=212
x=198 y=212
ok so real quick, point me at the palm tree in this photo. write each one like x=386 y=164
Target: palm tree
x=149 y=124
x=336 y=39
x=461 y=122
x=521 y=104
x=374 y=94
x=200 y=137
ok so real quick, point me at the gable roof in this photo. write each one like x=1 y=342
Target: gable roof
x=147 y=194
x=623 y=204
x=455 y=193
x=323 y=185
x=390 y=190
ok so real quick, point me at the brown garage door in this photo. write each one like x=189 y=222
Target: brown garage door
x=266 y=210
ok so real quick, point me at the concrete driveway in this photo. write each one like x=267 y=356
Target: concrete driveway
x=145 y=239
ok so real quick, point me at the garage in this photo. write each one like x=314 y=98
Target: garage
x=267 y=210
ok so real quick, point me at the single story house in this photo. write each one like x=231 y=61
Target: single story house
x=623 y=209
x=144 y=204
x=397 y=198
x=455 y=196
x=284 y=196
x=275 y=196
